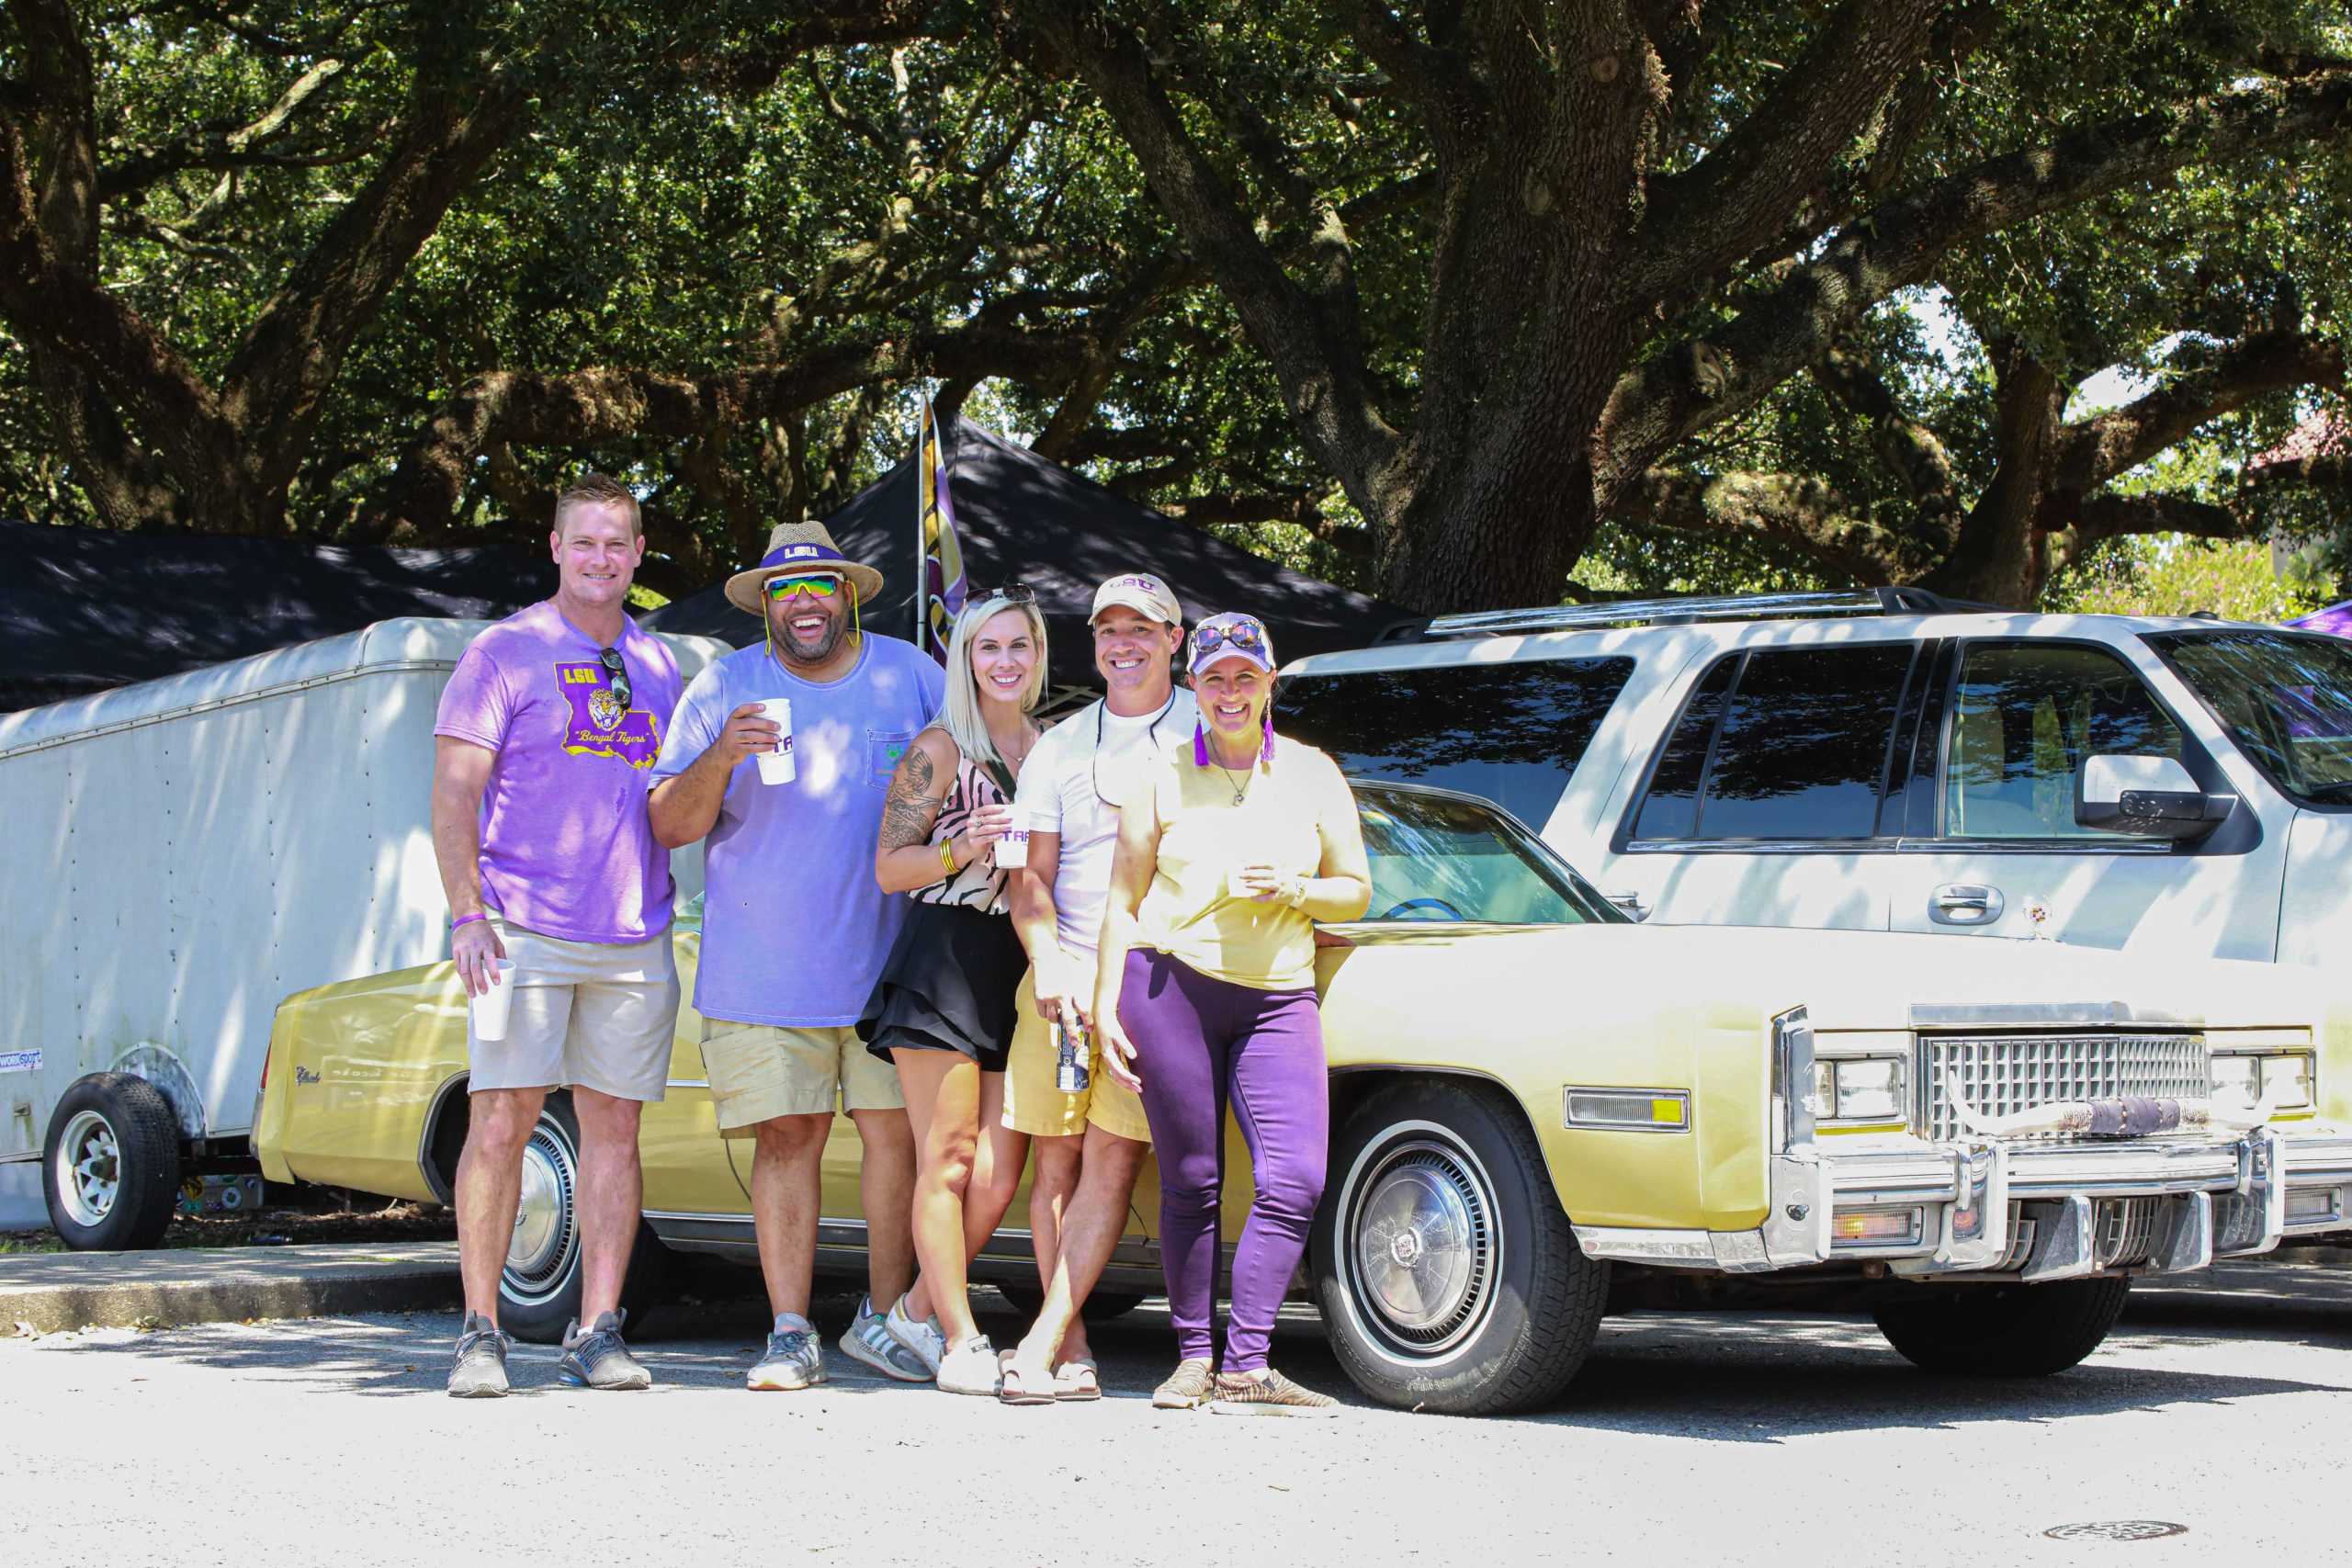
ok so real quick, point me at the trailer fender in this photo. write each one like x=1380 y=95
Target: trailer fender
x=159 y=1067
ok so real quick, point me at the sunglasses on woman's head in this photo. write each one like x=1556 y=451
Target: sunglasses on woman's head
x=610 y=658
x=1245 y=634
x=1011 y=594
x=821 y=584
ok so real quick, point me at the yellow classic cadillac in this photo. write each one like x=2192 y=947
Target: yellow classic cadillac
x=1982 y=1143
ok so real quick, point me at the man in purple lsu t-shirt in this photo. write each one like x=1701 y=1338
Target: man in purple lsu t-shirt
x=545 y=734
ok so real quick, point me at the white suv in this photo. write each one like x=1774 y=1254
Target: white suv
x=1887 y=760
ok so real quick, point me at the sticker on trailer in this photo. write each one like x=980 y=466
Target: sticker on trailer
x=19 y=1061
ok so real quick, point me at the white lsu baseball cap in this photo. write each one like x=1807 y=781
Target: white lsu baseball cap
x=1138 y=591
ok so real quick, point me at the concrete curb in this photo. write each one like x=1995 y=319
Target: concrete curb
x=57 y=1292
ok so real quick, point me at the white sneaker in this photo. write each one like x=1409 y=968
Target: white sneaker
x=924 y=1338
x=971 y=1368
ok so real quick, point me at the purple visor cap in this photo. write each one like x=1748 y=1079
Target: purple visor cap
x=1230 y=633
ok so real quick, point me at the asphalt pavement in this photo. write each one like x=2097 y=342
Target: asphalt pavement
x=1747 y=1437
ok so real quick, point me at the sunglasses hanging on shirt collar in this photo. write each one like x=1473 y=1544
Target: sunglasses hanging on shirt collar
x=610 y=658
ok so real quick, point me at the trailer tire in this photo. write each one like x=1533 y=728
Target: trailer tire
x=2003 y=1331
x=538 y=1290
x=110 y=1166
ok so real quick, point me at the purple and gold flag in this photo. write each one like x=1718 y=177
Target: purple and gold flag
x=944 y=585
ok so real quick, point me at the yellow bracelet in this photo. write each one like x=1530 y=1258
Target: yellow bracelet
x=947 y=855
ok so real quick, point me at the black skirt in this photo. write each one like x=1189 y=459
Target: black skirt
x=947 y=985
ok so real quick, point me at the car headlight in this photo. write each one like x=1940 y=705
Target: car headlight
x=1860 y=1091
x=2252 y=1076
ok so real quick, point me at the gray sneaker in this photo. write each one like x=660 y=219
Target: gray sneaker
x=598 y=1358
x=479 y=1370
x=868 y=1339
x=794 y=1358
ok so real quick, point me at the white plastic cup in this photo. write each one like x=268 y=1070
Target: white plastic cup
x=777 y=767
x=1013 y=850
x=495 y=1006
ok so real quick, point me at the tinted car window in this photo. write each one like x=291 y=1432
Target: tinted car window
x=1798 y=749
x=1510 y=733
x=1802 y=752
x=2286 y=697
x=1438 y=857
x=1670 y=809
x=2025 y=717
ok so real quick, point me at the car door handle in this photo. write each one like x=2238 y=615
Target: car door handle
x=1965 y=904
x=1631 y=903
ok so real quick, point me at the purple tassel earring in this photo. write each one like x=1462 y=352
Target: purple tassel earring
x=1200 y=745
x=1266 y=752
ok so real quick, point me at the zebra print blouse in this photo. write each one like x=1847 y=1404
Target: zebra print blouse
x=979 y=885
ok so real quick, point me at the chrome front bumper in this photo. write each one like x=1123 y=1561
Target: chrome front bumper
x=2031 y=1209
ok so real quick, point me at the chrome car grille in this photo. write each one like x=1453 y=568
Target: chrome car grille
x=1998 y=1074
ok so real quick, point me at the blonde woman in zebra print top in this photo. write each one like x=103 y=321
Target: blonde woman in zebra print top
x=943 y=1012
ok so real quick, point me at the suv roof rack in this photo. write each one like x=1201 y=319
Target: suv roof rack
x=1691 y=610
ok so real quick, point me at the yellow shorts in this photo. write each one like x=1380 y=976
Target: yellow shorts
x=759 y=1071
x=1032 y=1103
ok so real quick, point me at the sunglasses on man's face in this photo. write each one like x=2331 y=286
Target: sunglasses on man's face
x=1245 y=636
x=610 y=658
x=821 y=585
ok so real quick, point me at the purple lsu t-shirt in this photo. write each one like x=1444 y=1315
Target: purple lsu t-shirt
x=566 y=848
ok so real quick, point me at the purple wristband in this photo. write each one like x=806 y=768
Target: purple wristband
x=461 y=920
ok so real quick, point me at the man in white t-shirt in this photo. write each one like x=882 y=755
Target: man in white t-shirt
x=1088 y=1144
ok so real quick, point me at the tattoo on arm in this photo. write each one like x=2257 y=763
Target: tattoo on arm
x=910 y=811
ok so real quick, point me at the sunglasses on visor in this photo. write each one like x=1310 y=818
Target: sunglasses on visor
x=610 y=658
x=1247 y=637
x=821 y=584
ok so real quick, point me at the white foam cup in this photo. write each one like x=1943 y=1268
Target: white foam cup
x=1013 y=850
x=493 y=1007
x=775 y=767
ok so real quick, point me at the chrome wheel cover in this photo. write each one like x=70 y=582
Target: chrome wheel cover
x=1419 y=1244
x=88 y=1168
x=546 y=1244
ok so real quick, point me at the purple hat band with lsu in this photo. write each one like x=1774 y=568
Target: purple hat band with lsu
x=791 y=555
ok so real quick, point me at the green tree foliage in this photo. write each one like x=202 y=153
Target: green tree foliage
x=1466 y=303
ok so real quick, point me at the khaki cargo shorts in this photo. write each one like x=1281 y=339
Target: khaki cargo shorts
x=1032 y=1103
x=760 y=1071
x=591 y=1014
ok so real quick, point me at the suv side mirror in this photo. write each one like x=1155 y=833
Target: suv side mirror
x=2151 y=795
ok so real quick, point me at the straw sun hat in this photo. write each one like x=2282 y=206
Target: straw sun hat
x=796 y=547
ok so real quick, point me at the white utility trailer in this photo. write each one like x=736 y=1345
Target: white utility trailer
x=187 y=851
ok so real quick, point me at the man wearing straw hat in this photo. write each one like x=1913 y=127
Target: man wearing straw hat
x=780 y=754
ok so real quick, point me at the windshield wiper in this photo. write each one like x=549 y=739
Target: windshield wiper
x=2333 y=787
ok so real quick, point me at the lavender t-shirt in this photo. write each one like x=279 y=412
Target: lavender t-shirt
x=566 y=848
x=794 y=928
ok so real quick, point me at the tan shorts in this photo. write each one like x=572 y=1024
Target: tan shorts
x=597 y=1015
x=760 y=1071
x=1032 y=1103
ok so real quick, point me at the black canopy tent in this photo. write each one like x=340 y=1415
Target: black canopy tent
x=1023 y=518
x=82 y=610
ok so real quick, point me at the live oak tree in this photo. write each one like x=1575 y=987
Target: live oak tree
x=1644 y=219
x=1464 y=296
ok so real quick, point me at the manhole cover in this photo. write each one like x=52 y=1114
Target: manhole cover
x=2116 y=1530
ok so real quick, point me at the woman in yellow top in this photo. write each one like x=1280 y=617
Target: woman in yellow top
x=1224 y=864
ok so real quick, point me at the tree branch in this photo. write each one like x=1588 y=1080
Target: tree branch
x=1710 y=215
x=1791 y=509
x=1704 y=380
x=1323 y=379
x=2099 y=448
x=231 y=149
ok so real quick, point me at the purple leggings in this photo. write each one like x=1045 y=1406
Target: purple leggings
x=1198 y=1040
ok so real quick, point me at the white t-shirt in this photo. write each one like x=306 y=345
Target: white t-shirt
x=1059 y=793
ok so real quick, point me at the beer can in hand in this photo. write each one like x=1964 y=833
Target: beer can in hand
x=1070 y=1053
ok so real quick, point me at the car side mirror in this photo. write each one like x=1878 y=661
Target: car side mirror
x=2149 y=795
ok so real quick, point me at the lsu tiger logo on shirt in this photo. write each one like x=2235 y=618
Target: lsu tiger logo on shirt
x=597 y=725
